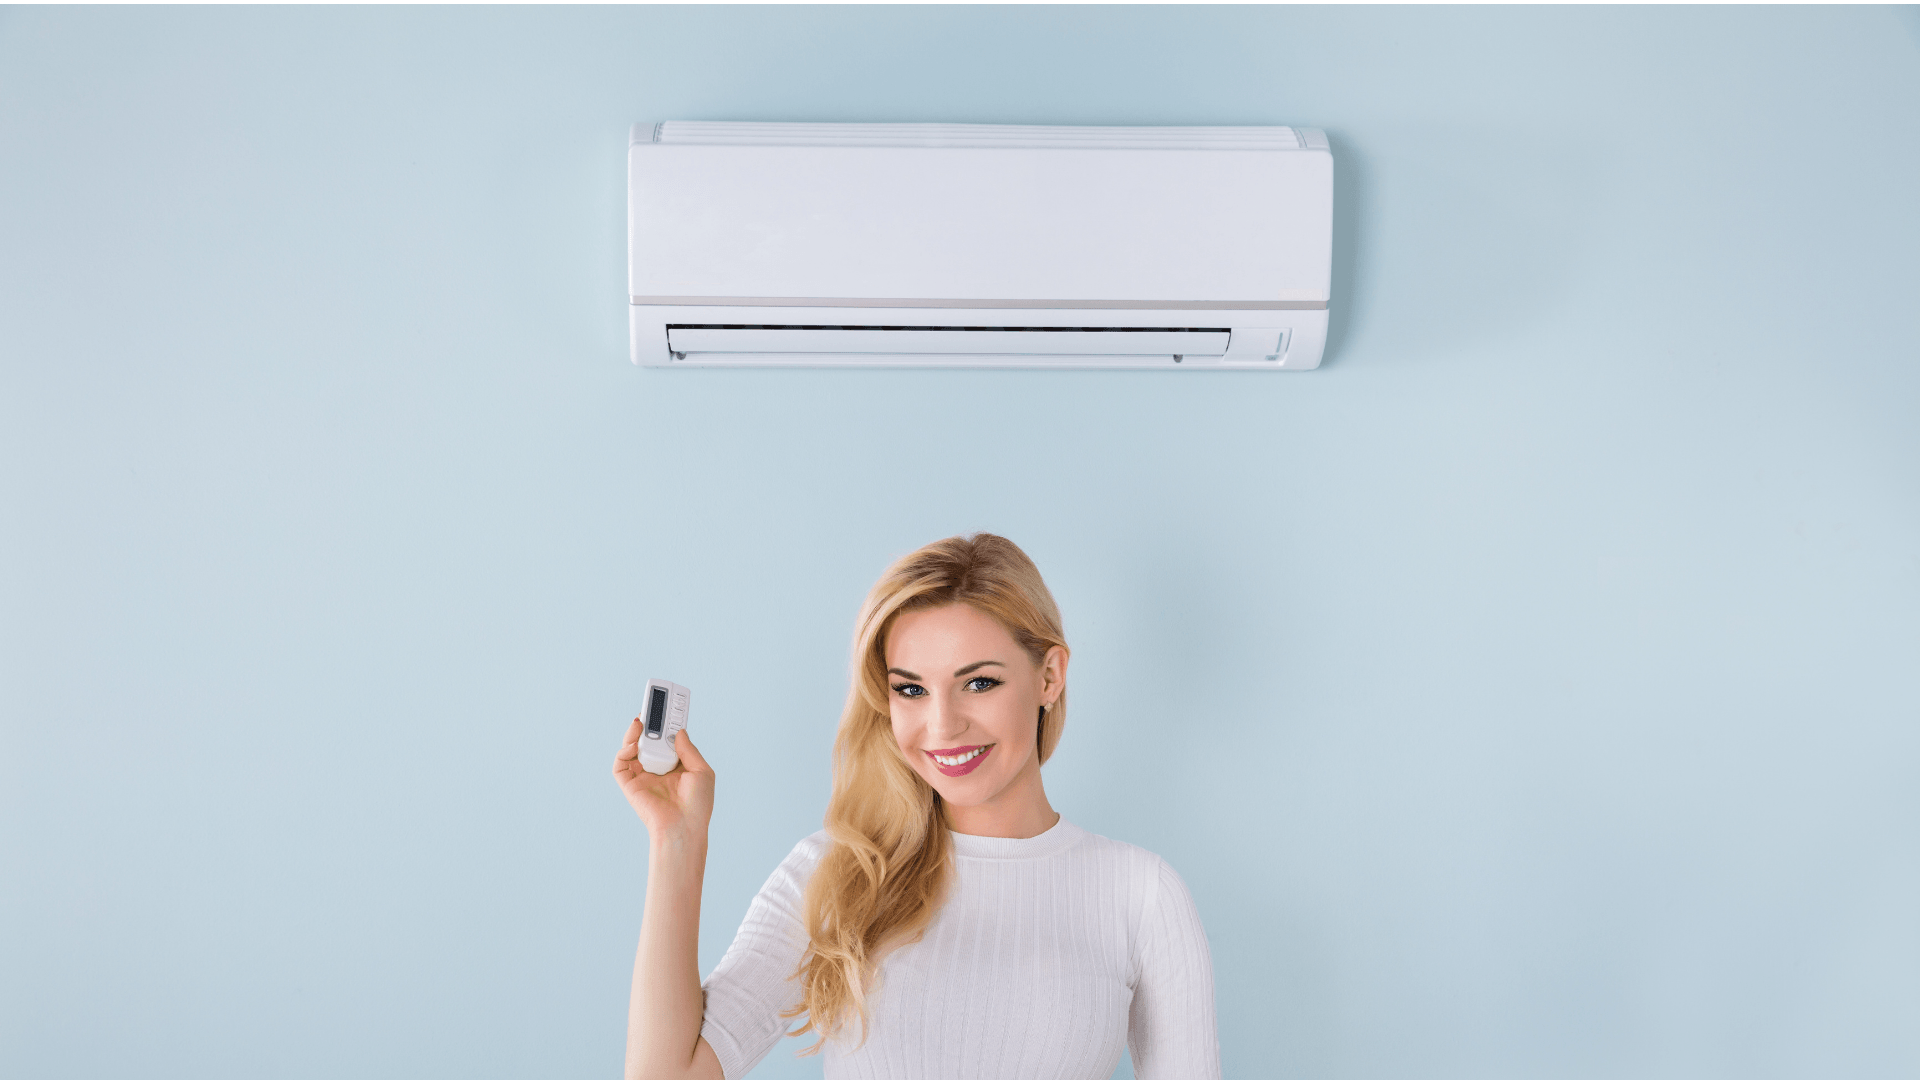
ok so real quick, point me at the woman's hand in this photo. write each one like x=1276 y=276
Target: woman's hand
x=677 y=804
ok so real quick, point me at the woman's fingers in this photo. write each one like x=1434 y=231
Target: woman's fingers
x=689 y=757
x=630 y=745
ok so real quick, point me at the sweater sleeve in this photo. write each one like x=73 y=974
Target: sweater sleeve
x=754 y=983
x=1170 y=1028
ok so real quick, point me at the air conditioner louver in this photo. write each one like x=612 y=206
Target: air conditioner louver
x=722 y=344
x=948 y=340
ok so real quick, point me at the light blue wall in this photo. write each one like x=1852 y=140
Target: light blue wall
x=1542 y=671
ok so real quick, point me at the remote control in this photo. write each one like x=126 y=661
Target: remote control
x=666 y=715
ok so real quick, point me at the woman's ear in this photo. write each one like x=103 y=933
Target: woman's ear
x=1053 y=674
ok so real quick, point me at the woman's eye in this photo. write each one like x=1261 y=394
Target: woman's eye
x=981 y=682
x=910 y=690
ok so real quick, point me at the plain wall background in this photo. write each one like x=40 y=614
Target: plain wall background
x=1543 y=668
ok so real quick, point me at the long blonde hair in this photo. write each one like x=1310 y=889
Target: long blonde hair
x=886 y=871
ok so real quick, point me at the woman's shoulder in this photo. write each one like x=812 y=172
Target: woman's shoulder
x=1119 y=857
x=1159 y=905
x=788 y=882
x=809 y=851
x=1109 y=848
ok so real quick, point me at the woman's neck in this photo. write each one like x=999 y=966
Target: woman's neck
x=1018 y=812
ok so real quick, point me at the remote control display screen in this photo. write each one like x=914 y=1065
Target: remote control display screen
x=656 y=710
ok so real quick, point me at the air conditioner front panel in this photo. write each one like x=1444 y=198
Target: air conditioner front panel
x=979 y=223
x=948 y=341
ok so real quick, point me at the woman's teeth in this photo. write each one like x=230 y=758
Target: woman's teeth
x=959 y=759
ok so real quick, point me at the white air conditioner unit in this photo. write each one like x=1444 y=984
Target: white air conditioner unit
x=971 y=245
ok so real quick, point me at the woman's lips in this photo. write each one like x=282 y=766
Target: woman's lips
x=966 y=763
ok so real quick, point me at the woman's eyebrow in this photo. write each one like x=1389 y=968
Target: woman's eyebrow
x=975 y=666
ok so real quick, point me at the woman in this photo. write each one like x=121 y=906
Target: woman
x=947 y=922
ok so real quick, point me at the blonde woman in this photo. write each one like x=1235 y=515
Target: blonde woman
x=947 y=922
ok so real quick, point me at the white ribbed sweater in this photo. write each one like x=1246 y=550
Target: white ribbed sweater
x=1048 y=956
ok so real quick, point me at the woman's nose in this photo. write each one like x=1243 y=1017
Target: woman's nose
x=946 y=721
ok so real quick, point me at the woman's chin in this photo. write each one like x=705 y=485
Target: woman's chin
x=973 y=789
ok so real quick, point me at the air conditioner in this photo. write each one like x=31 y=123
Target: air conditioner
x=972 y=245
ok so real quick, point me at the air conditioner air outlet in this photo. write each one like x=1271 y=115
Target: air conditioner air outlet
x=684 y=340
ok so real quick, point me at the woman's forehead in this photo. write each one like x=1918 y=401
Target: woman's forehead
x=934 y=636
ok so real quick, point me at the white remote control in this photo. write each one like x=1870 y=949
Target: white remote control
x=666 y=714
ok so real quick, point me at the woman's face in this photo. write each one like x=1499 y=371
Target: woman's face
x=965 y=701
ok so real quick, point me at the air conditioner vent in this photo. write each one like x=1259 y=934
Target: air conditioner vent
x=719 y=340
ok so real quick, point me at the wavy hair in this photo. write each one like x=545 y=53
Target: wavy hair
x=886 y=870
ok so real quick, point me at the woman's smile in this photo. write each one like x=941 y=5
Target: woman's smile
x=960 y=760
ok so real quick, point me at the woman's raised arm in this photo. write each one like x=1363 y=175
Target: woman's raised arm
x=664 y=1014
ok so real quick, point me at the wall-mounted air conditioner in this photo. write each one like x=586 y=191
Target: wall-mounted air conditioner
x=967 y=245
